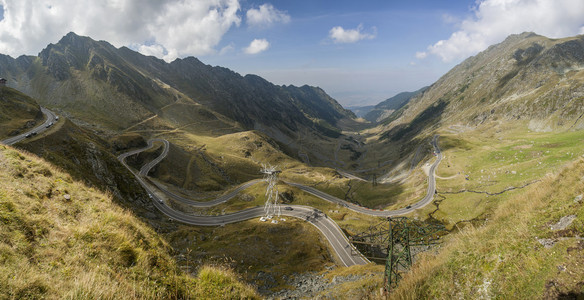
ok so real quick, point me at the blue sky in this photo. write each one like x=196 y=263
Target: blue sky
x=364 y=72
x=360 y=52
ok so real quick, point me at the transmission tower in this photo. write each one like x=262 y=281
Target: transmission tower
x=374 y=180
x=271 y=207
x=390 y=242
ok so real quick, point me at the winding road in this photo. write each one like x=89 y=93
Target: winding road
x=344 y=250
x=431 y=190
x=51 y=119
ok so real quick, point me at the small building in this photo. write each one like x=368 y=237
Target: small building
x=2 y=82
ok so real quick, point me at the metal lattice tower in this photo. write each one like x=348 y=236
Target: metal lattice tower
x=391 y=241
x=271 y=207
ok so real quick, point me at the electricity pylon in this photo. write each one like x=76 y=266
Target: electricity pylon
x=390 y=242
x=271 y=207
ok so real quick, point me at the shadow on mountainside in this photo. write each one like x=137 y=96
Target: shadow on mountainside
x=427 y=118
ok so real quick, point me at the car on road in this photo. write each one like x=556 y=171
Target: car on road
x=57 y=118
x=288 y=208
x=49 y=125
x=28 y=135
x=408 y=207
x=160 y=200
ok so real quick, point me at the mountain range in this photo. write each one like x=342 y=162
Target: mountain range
x=92 y=81
x=509 y=123
x=384 y=109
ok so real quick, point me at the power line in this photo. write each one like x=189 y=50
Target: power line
x=391 y=241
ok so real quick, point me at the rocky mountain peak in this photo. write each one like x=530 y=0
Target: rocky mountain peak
x=71 y=51
x=103 y=81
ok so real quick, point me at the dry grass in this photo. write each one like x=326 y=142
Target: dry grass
x=17 y=112
x=61 y=239
x=503 y=257
x=253 y=247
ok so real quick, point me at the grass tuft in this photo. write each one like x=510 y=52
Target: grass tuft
x=86 y=247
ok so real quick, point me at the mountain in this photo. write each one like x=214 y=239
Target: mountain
x=361 y=111
x=527 y=78
x=385 y=109
x=113 y=88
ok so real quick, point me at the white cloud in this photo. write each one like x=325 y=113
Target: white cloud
x=173 y=28
x=421 y=55
x=493 y=20
x=226 y=49
x=256 y=46
x=339 y=35
x=153 y=50
x=450 y=19
x=266 y=15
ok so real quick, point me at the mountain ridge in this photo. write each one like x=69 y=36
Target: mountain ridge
x=78 y=73
x=384 y=109
x=527 y=77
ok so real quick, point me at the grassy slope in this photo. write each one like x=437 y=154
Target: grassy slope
x=503 y=258
x=85 y=247
x=17 y=111
x=473 y=162
x=368 y=286
x=253 y=248
x=87 y=158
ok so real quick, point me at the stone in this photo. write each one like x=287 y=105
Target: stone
x=563 y=223
x=67 y=197
x=546 y=243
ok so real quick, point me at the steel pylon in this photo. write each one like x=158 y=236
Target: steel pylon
x=390 y=242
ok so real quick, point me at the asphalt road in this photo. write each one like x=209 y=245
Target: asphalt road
x=51 y=118
x=344 y=250
x=147 y=167
x=384 y=213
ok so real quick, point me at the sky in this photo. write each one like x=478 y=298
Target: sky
x=359 y=52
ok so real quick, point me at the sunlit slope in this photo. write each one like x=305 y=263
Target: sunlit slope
x=530 y=247
x=61 y=239
x=526 y=77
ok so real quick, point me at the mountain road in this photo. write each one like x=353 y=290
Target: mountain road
x=51 y=119
x=344 y=250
